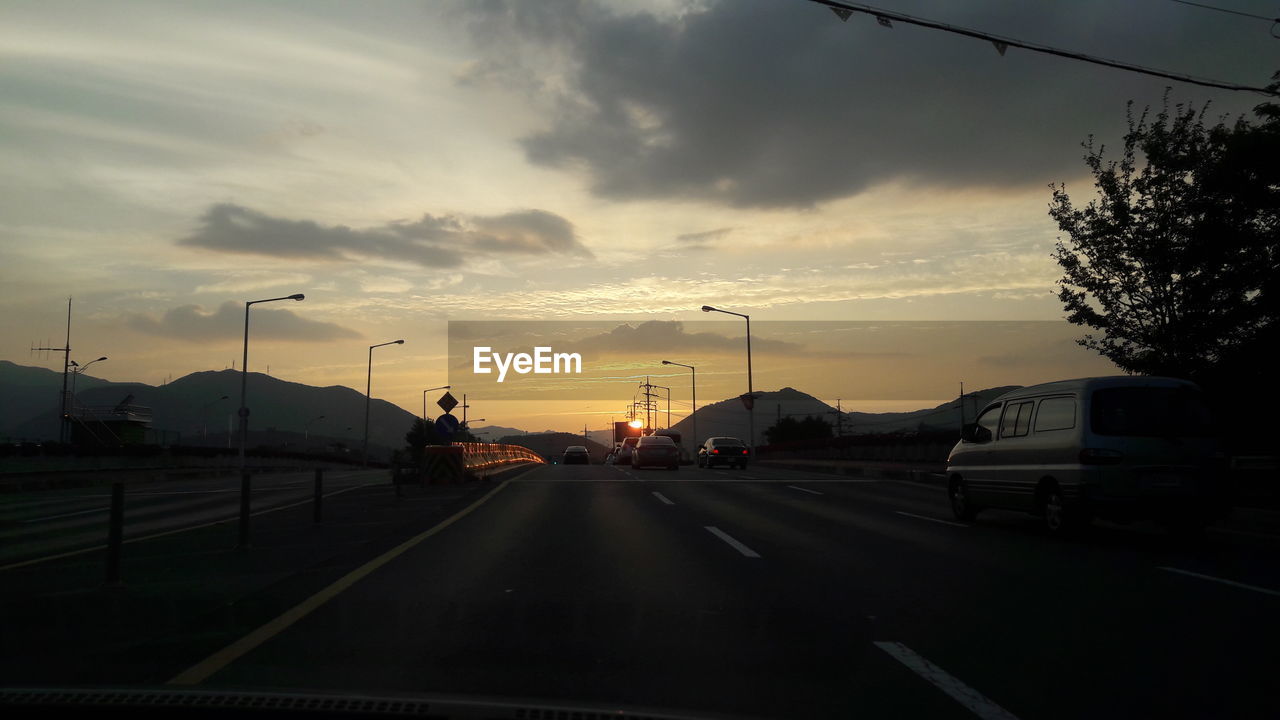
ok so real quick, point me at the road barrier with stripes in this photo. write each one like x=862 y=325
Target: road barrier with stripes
x=446 y=464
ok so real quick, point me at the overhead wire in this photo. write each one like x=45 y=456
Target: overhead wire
x=886 y=18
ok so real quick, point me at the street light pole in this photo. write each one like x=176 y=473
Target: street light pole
x=306 y=429
x=368 y=385
x=244 y=419
x=424 y=400
x=751 y=410
x=694 y=414
x=204 y=420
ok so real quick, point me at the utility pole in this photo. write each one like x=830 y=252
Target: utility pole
x=839 y=419
x=63 y=420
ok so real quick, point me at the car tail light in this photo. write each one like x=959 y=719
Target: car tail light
x=744 y=452
x=715 y=451
x=1100 y=456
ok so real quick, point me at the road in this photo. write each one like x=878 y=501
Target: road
x=779 y=593
x=37 y=525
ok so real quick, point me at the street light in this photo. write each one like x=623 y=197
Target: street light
x=306 y=429
x=424 y=399
x=204 y=418
x=751 y=409
x=368 y=384
x=693 y=415
x=244 y=418
x=78 y=368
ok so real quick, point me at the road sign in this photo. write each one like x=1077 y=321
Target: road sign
x=748 y=400
x=447 y=402
x=447 y=425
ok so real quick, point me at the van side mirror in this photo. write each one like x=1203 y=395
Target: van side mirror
x=974 y=433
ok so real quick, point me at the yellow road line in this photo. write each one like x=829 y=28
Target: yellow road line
x=201 y=671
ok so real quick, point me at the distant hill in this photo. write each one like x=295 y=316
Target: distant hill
x=552 y=445
x=27 y=393
x=729 y=417
x=189 y=410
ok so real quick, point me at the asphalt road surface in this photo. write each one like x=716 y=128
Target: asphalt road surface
x=772 y=593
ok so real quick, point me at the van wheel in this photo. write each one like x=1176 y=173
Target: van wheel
x=961 y=506
x=1059 y=519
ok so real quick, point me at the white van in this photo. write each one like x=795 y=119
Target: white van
x=1114 y=447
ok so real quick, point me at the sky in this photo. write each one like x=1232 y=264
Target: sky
x=405 y=164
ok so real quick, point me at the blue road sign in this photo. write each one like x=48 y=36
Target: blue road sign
x=447 y=425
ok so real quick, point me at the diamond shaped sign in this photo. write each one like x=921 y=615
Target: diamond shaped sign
x=447 y=402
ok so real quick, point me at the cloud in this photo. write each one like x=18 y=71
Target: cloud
x=669 y=336
x=779 y=104
x=191 y=322
x=446 y=241
x=704 y=240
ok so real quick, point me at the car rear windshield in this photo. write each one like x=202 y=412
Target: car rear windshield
x=656 y=440
x=1151 y=412
x=727 y=443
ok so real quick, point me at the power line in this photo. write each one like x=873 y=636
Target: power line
x=1001 y=43
x=1227 y=10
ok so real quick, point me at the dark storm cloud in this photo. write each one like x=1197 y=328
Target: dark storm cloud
x=191 y=322
x=770 y=103
x=443 y=241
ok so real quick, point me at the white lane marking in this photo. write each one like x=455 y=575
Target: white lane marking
x=178 y=492
x=811 y=492
x=66 y=515
x=732 y=543
x=747 y=477
x=663 y=498
x=1244 y=533
x=1233 y=583
x=976 y=702
x=931 y=519
x=72 y=553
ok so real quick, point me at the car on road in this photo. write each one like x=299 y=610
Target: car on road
x=576 y=455
x=728 y=451
x=656 y=450
x=1119 y=448
x=625 y=449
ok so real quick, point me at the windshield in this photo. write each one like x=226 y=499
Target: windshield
x=1151 y=412
x=329 y=329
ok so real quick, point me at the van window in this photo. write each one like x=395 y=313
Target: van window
x=1017 y=419
x=1056 y=413
x=1150 y=412
x=988 y=421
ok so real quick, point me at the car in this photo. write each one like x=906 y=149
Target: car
x=1119 y=448
x=625 y=449
x=656 y=450
x=723 y=451
x=576 y=455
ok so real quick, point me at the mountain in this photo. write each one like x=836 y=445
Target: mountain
x=190 y=410
x=30 y=392
x=729 y=417
x=552 y=445
x=491 y=433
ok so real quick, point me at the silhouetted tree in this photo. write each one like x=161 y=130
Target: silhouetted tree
x=791 y=430
x=1175 y=261
x=420 y=435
